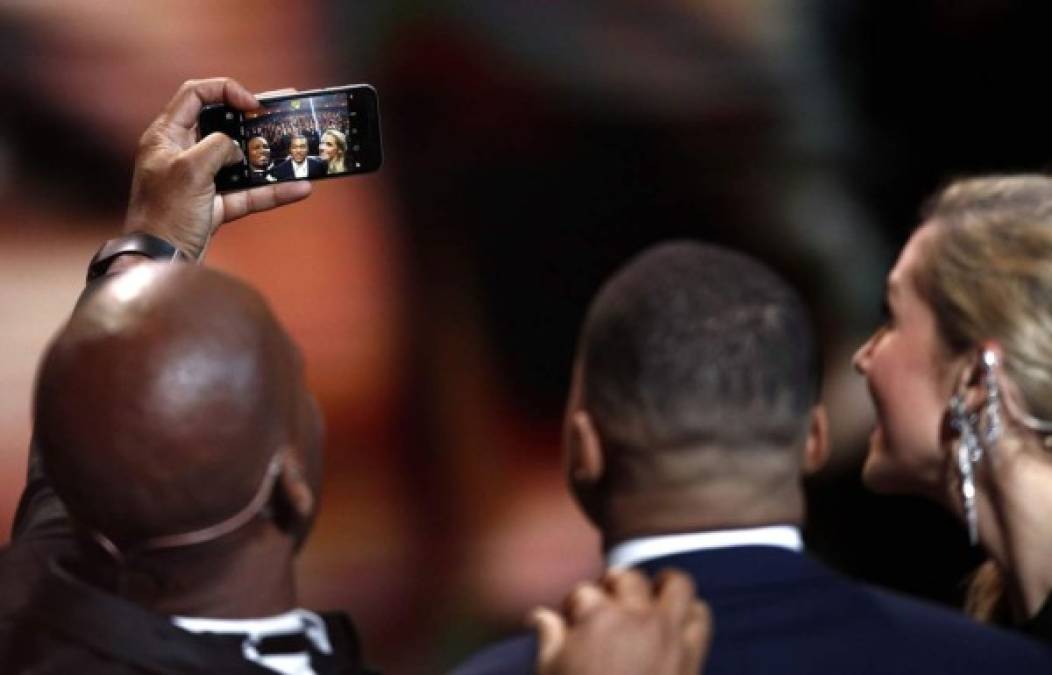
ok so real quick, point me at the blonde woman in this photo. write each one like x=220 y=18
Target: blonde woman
x=961 y=376
x=333 y=149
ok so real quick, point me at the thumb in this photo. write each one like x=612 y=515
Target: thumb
x=551 y=636
x=213 y=152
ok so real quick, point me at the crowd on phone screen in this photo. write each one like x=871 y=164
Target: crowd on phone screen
x=279 y=129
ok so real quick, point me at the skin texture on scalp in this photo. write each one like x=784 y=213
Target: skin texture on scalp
x=162 y=401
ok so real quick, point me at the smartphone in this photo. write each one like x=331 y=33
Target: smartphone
x=323 y=133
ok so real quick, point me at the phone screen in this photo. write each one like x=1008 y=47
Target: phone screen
x=302 y=136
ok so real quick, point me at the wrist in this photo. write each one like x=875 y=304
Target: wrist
x=166 y=225
x=129 y=250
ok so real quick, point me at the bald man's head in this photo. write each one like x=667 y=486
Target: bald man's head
x=163 y=401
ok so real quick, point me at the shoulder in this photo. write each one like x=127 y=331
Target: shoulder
x=514 y=656
x=948 y=640
x=23 y=650
x=69 y=626
x=22 y=566
x=888 y=630
x=773 y=607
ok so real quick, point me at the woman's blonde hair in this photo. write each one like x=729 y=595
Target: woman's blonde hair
x=987 y=275
x=337 y=164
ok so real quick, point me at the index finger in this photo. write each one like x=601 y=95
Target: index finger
x=193 y=95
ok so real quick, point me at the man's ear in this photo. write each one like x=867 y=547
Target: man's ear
x=295 y=487
x=816 y=448
x=584 y=451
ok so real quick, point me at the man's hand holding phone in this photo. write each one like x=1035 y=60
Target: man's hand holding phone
x=173 y=193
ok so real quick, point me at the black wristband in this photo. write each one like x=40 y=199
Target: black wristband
x=139 y=243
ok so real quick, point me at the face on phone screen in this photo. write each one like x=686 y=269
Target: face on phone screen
x=302 y=136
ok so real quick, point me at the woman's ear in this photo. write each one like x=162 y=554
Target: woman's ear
x=977 y=370
x=816 y=448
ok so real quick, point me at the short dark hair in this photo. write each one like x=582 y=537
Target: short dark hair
x=694 y=344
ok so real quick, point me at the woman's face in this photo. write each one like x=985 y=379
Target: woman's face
x=910 y=381
x=328 y=149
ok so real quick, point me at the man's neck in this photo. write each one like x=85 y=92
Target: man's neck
x=717 y=507
x=252 y=579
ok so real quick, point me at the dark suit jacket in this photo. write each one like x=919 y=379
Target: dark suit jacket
x=776 y=611
x=41 y=532
x=316 y=168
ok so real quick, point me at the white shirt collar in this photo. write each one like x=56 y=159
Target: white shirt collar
x=294 y=621
x=635 y=551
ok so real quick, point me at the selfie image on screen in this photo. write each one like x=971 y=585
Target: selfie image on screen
x=304 y=137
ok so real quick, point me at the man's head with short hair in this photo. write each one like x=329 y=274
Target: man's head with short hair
x=298 y=148
x=164 y=401
x=697 y=370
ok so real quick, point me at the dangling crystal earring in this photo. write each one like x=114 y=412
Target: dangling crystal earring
x=969 y=452
x=992 y=407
